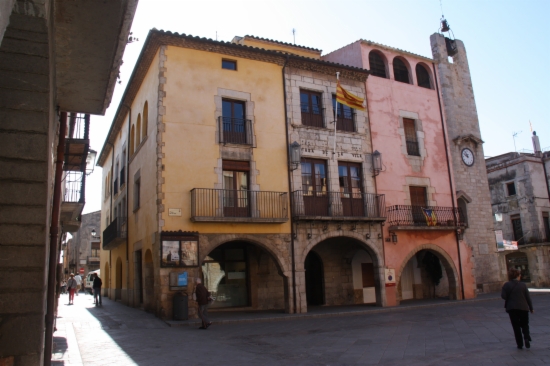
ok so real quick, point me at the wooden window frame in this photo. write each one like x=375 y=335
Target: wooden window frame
x=310 y=118
x=342 y=123
x=411 y=139
x=234 y=62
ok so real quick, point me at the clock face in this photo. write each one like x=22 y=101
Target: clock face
x=468 y=157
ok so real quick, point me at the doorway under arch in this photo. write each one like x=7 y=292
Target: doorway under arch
x=106 y=277
x=315 y=279
x=427 y=274
x=148 y=282
x=519 y=261
x=118 y=279
x=242 y=274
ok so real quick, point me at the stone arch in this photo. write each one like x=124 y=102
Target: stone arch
x=424 y=77
x=118 y=279
x=149 y=281
x=138 y=130
x=446 y=261
x=145 y=119
x=378 y=64
x=215 y=242
x=402 y=70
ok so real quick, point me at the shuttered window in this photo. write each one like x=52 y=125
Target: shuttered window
x=410 y=137
x=418 y=196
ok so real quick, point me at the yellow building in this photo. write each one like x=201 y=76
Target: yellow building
x=196 y=175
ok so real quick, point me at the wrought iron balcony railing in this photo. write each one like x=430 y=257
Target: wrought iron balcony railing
x=235 y=131
x=74 y=187
x=312 y=115
x=412 y=148
x=338 y=205
x=77 y=144
x=115 y=234
x=93 y=260
x=346 y=122
x=210 y=205
x=431 y=216
x=533 y=237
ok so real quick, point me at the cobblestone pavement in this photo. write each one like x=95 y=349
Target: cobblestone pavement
x=462 y=333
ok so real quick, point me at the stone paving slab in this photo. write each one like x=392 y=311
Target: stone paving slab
x=460 y=333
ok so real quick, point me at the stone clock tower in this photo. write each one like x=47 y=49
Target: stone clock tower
x=467 y=158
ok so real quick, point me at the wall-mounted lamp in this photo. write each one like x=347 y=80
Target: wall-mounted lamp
x=295 y=155
x=459 y=234
x=393 y=237
x=90 y=161
x=94 y=233
x=376 y=162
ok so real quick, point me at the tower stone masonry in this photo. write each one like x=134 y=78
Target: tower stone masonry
x=470 y=178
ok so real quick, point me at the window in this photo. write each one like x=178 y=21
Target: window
x=377 y=64
x=418 y=201
x=349 y=176
x=132 y=139
x=400 y=71
x=410 y=137
x=546 y=223
x=138 y=130
x=233 y=123
x=423 y=76
x=122 y=170
x=518 y=230
x=345 y=120
x=229 y=65
x=95 y=249
x=137 y=193
x=312 y=108
x=511 y=188
x=463 y=210
x=314 y=187
x=235 y=186
x=145 y=119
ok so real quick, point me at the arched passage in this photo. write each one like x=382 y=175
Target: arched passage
x=118 y=279
x=242 y=274
x=148 y=282
x=351 y=272
x=427 y=272
x=105 y=279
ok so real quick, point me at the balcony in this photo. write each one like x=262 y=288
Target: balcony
x=412 y=148
x=533 y=237
x=312 y=116
x=93 y=261
x=403 y=217
x=235 y=131
x=226 y=205
x=73 y=200
x=346 y=121
x=77 y=143
x=115 y=234
x=338 y=206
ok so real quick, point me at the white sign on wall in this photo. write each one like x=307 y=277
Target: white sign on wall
x=174 y=212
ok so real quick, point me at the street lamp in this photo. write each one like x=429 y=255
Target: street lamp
x=90 y=161
x=295 y=155
x=94 y=233
x=376 y=162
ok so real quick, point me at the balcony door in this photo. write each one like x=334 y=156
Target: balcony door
x=314 y=187
x=349 y=175
x=312 y=108
x=236 y=202
x=418 y=201
x=234 y=121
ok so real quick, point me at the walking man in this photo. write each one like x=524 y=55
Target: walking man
x=71 y=285
x=203 y=297
x=78 y=279
x=518 y=304
x=97 y=289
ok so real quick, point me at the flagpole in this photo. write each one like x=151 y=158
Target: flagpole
x=335 y=117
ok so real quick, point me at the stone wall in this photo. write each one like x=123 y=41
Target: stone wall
x=463 y=131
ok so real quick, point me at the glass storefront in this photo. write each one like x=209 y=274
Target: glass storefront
x=226 y=275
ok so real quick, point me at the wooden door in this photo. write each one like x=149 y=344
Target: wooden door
x=418 y=201
x=236 y=202
x=314 y=187
x=351 y=194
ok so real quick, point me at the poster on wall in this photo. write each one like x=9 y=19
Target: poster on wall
x=390 y=277
x=179 y=249
x=502 y=244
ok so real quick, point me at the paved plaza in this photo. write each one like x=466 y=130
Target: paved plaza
x=446 y=333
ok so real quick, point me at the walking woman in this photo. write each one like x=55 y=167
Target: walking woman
x=71 y=285
x=518 y=304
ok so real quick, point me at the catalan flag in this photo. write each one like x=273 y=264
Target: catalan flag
x=346 y=98
x=429 y=214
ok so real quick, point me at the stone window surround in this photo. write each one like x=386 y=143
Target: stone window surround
x=505 y=188
x=419 y=182
x=234 y=152
x=416 y=162
x=326 y=96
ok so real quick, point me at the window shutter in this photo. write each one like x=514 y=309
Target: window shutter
x=232 y=165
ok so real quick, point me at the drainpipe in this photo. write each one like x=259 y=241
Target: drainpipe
x=450 y=180
x=54 y=231
x=293 y=260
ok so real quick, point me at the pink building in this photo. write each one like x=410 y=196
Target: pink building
x=424 y=240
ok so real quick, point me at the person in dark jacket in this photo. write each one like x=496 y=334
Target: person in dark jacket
x=96 y=286
x=518 y=304
x=203 y=298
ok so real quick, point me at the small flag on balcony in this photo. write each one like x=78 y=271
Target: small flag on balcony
x=431 y=219
x=346 y=98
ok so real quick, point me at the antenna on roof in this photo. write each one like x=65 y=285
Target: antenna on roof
x=514 y=135
x=294 y=35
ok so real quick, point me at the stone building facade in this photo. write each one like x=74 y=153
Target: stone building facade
x=518 y=183
x=49 y=65
x=83 y=250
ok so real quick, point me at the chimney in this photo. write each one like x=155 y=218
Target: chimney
x=536 y=144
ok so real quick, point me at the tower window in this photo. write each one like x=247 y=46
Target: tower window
x=400 y=71
x=511 y=188
x=423 y=77
x=377 y=64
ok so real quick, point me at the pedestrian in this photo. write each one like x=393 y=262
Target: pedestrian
x=203 y=298
x=71 y=285
x=97 y=289
x=63 y=287
x=518 y=304
x=78 y=279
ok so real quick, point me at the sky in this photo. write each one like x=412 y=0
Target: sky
x=507 y=43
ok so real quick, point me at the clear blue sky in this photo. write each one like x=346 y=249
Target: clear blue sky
x=507 y=43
